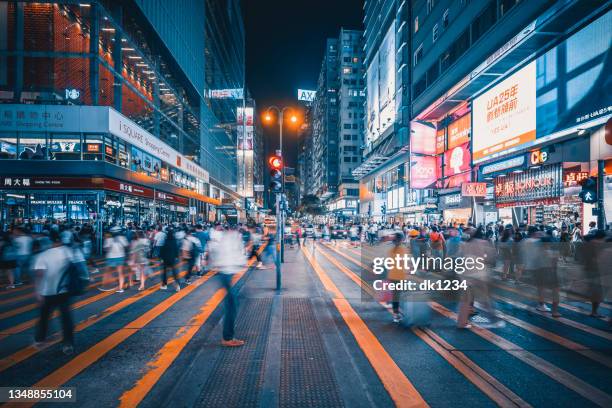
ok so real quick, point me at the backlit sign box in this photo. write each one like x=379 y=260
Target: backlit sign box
x=306 y=95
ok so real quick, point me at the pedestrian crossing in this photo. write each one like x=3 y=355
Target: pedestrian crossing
x=130 y=346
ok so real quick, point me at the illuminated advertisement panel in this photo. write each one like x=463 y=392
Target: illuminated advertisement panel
x=422 y=138
x=551 y=96
x=386 y=79
x=505 y=116
x=457 y=160
x=424 y=171
x=459 y=131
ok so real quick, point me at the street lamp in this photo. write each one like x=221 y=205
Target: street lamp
x=280 y=221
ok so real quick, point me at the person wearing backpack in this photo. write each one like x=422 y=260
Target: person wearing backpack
x=191 y=249
x=436 y=242
x=53 y=290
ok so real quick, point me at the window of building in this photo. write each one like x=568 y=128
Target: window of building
x=430 y=5
x=64 y=146
x=347 y=126
x=418 y=54
x=355 y=159
x=346 y=137
x=93 y=147
x=346 y=70
x=347 y=159
x=8 y=146
x=445 y=20
x=355 y=137
x=483 y=22
x=433 y=73
x=434 y=33
x=416 y=24
x=355 y=60
x=346 y=59
x=506 y=5
x=355 y=126
x=32 y=146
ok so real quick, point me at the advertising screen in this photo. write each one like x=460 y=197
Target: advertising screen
x=422 y=138
x=457 y=160
x=372 y=102
x=424 y=171
x=386 y=65
x=459 y=131
x=564 y=88
x=505 y=116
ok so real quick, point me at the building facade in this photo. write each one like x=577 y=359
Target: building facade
x=121 y=87
x=481 y=88
x=508 y=94
x=382 y=175
x=334 y=150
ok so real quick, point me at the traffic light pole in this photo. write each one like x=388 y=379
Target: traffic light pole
x=281 y=213
x=279 y=240
x=601 y=214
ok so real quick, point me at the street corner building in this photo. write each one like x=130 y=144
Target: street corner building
x=486 y=111
x=109 y=112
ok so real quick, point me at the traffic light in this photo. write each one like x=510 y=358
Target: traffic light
x=276 y=175
x=589 y=190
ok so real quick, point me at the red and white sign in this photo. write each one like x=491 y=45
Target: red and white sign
x=474 y=189
x=573 y=178
x=505 y=116
x=424 y=171
x=457 y=160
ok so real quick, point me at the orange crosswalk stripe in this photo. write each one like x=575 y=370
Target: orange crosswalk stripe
x=94 y=353
x=29 y=351
x=563 y=377
x=399 y=387
x=170 y=351
x=495 y=390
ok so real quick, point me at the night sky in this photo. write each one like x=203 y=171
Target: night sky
x=285 y=40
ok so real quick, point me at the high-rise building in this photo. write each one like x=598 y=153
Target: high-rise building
x=387 y=86
x=337 y=115
x=142 y=94
x=325 y=124
x=450 y=56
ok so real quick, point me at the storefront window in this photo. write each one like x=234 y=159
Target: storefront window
x=93 y=147
x=110 y=150
x=32 y=146
x=82 y=207
x=47 y=206
x=123 y=155
x=64 y=147
x=8 y=146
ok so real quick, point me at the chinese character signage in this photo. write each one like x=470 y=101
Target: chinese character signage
x=530 y=185
x=573 y=178
x=505 y=116
x=474 y=189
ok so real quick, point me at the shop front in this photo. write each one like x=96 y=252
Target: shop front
x=455 y=208
x=547 y=196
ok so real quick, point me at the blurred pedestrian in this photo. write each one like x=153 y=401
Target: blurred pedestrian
x=169 y=253
x=115 y=246
x=227 y=257
x=50 y=268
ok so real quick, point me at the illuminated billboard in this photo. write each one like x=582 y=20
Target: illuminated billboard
x=306 y=95
x=424 y=171
x=505 y=116
x=380 y=82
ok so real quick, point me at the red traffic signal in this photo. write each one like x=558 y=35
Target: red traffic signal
x=275 y=162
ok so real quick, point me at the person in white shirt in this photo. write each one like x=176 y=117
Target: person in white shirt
x=226 y=252
x=23 y=249
x=191 y=249
x=158 y=241
x=115 y=246
x=50 y=267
